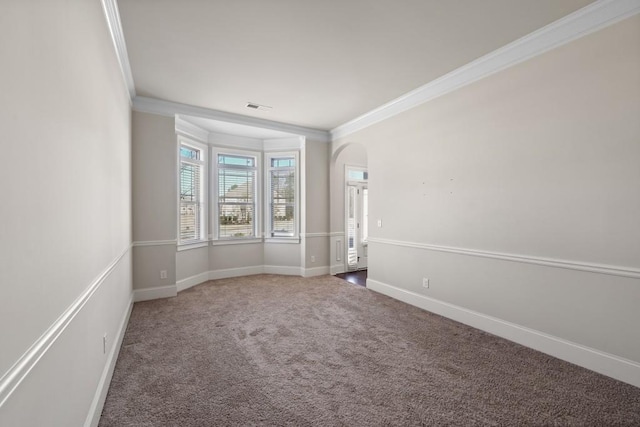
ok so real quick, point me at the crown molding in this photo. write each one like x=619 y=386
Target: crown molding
x=587 y=20
x=281 y=144
x=112 y=14
x=170 y=109
x=190 y=130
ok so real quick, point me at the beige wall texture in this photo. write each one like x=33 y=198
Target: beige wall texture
x=155 y=181
x=192 y=262
x=155 y=199
x=539 y=160
x=65 y=184
x=317 y=186
x=317 y=156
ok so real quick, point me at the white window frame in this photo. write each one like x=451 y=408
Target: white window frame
x=204 y=191
x=215 y=217
x=295 y=236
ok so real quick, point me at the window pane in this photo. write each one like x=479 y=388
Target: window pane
x=226 y=159
x=236 y=220
x=236 y=196
x=287 y=162
x=189 y=221
x=191 y=224
x=189 y=153
x=358 y=175
x=282 y=193
x=189 y=182
x=282 y=219
x=236 y=186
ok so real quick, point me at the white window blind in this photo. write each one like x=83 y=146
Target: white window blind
x=191 y=194
x=282 y=196
x=236 y=196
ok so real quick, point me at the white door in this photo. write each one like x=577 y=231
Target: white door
x=357 y=225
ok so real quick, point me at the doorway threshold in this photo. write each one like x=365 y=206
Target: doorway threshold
x=355 y=277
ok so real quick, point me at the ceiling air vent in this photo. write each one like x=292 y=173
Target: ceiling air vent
x=255 y=106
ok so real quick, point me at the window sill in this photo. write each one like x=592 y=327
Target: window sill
x=194 y=245
x=247 y=241
x=286 y=240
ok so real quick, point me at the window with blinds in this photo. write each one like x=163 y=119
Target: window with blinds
x=192 y=194
x=237 y=183
x=282 y=195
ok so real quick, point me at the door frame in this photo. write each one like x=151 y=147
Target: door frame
x=347 y=183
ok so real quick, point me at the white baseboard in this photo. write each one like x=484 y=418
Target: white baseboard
x=21 y=368
x=235 y=272
x=315 y=271
x=93 y=418
x=189 y=282
x=154 y=293
x=181 y=285
x=607 y=364
x=337 y=269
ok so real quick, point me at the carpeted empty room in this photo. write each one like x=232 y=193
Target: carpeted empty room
x=283 y=350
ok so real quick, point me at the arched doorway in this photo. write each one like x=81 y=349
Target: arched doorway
x=349 y=208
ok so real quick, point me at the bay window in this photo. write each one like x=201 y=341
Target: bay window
x=192 y=192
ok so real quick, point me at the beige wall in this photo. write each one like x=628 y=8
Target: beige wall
x=317 y=155
x=317 y=186
x=155 y=199
x=282 y=254
x=192 y=262
x=65 y=184
x=540 y=160
x=155 y=182
x=318 y=248
x=236 y=256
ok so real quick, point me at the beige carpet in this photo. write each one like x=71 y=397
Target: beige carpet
x=277 y=350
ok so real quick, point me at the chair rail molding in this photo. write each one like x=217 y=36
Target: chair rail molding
x=154 y=243
x=19 y=371
x=611 y=270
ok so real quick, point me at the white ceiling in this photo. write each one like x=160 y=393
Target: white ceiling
x=319 y=64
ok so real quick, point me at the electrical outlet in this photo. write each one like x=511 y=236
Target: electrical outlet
x=379 y=223
x=313 y=258
x=163 y=274
x=425 y=282
x=104 y=343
